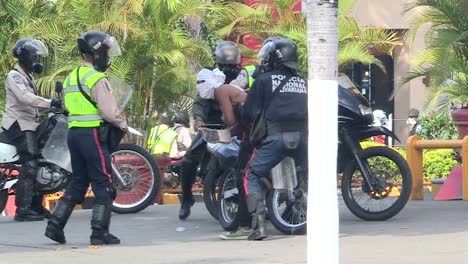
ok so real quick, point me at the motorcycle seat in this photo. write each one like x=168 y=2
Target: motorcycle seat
x=4 y=139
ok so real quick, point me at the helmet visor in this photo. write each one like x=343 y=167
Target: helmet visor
x=114 y=48
x=36 y=48
x=266 y=49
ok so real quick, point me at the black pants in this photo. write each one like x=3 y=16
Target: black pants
x=192 y=159
x=91 y=164
x=245 y=152
x=26 y=146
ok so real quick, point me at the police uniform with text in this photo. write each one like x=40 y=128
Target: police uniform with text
x=90 y=157
x=282 y=94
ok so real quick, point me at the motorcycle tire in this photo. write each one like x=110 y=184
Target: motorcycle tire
x=227 y=222
x=276 y=219
x=152 y=191
x=209 y=189
x=3 y=199
x=405 y=191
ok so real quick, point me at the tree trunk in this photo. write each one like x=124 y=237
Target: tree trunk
x=322 y=215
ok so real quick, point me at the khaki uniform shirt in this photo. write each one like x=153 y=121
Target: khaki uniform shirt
x=101 y=94
x=22 y=101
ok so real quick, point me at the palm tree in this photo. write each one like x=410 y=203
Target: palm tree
x=158 y=55
x=14 y=17
x=279 y=19
x=444 y=62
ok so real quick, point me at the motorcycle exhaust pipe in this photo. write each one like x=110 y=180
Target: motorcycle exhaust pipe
x=284 y=175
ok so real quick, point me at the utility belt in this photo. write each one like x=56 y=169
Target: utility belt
x=274 y=128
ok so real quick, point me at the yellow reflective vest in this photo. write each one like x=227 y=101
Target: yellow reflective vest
x=250 y=70
x=161 y=139
x=82 y=113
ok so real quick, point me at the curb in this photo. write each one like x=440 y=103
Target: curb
x=175 y=198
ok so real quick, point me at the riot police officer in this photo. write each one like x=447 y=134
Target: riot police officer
x=282 y=95
x=207 y=111
x=20 y=122
x=89 y=102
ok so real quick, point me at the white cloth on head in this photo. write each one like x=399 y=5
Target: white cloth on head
x=212 y=79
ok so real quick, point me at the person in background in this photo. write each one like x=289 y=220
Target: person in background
x=413 y=122
x=184 y=140
x=380 y=119
x=162 y=137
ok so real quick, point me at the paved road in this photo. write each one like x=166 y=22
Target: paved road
x=425 y=232
x=150 y=236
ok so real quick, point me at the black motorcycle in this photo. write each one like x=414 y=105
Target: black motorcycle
x=286 y=199
x=376 y=181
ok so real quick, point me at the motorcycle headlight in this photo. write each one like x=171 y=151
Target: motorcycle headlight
x=365 y=110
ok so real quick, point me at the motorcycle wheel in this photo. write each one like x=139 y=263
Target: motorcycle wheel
x=3 y=199
x=142 y=175
x=210 y=184
x=289 y=215
x=228 y=201
x=386 y=168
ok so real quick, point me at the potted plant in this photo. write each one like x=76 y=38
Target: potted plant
x=444 y=62
x=453 y=95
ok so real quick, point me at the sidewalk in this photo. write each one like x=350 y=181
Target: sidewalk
x=425 y=232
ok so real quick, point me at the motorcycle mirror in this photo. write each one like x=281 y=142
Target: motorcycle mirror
x=58 y=86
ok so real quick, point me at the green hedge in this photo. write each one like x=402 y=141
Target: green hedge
x=437 y=163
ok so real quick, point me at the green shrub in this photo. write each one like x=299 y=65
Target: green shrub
x=437 y=126
x=437 y=163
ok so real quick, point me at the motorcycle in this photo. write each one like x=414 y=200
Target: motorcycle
x=380 y=173
x=287 y=187
x=172 y=175
x=376 y=182
x=135 y=172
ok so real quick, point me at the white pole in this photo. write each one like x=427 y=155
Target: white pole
x=322 y=211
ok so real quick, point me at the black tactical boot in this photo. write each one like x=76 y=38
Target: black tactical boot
x=37 y=206
x=23 y=200
x=100 y=222
x=185 y=206
x=256 y=205
x=58 y=220
x=187 y=178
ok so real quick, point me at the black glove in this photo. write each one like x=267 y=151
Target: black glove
x=112 y=192
x=57 y=103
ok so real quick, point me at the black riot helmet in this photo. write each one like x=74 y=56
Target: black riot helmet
x=279 y=51
x=28 y=51
x=100 y=46
x=181 y=118
x=228 y=58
